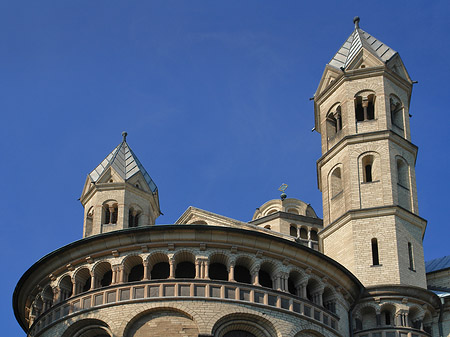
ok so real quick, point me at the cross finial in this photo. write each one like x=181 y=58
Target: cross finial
x=124 y=135
x=356 y=21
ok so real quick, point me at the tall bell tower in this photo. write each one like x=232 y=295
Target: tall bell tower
x=366 y=171
x=119 y=194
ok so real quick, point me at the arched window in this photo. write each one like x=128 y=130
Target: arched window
x=365 y=108
x=303 y=233
x=133 y=217
x=336 y=182
x=402 y=173
x=110 y=214
x=293 y=230
x=410 y=256
x=375 y=256
x=334 y=122
x=313 y=235
x=133 y=268
x=65 y=288
x=367 y=164
x=396 y=109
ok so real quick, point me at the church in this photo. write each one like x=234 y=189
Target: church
x=358 y=272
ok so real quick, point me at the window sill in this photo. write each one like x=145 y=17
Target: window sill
x=369 y=182
x=337 y=195
x=376 y=265
x=404 y=187
x=367 y=120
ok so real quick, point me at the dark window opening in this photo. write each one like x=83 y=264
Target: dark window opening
x=314 y=235
x=368 y=172
x=411 y=256
x=133 y=218
x=242 y=274
x=218 y=271
x=375 y=256
x=87 y=285
x=291 y=287
x=264 y=279
x=387 y=318
x=106 y=279
x=303 y=233
x=114 y=215
x=359 y=111
x=160 y=271
x=136 y=273
x=364 y=108
x=107 y=215
x=185 y=270
x=293 y=231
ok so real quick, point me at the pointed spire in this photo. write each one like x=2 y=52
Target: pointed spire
x=125 y=163
x=355 y=42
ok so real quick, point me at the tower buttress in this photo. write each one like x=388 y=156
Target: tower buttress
x=366 y=171
x=119 y=193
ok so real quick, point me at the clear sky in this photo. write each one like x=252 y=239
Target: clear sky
x=214 y=96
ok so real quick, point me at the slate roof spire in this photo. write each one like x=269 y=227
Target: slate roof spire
x=355 y=42
x=125 y=163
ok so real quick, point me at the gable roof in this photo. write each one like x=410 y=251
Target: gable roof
x=440 y=263
x=123 y=160
x=355 y=42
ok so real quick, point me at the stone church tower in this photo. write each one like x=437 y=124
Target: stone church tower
x=119 y=193
x=366 y=171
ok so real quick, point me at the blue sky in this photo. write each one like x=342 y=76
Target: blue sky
x=214 y=96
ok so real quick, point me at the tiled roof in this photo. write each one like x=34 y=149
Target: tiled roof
x=358 y=39
x=125 y=163
x=437 y=264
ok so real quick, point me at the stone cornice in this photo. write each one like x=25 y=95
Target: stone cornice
x=361 y=138
x=374 y=213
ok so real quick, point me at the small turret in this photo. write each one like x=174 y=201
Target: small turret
x=119 y=193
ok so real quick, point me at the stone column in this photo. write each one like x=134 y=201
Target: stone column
x=145 y=263
x=365 y=105
x=197 y=268
x=93 y=281
x=338 y=122
x=171 y=268
x=231 y=273
x=206 y=266
x=255 y=276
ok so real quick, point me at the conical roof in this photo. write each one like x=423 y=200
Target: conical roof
x=355 y=42
x=123 y=160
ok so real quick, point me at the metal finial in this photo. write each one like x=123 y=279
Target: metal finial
x=356 y=21
x=282 y=188
x=124 y=135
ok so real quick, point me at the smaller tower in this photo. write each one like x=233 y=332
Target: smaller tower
x=119 y=193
